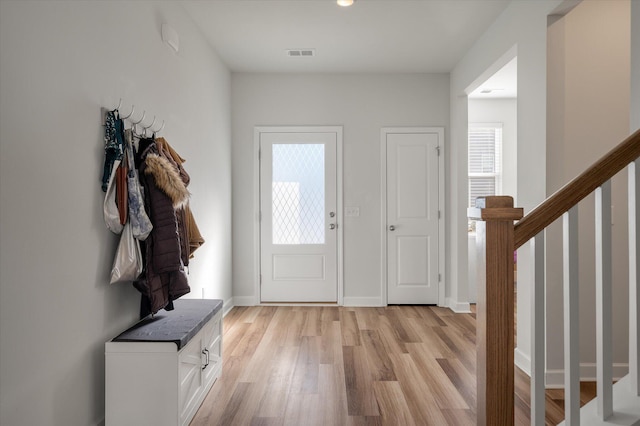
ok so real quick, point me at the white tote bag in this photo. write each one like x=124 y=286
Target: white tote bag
x=111 y=214
x=127 y=265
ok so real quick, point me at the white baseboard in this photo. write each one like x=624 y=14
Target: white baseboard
x=555 y=378
x=457 y=307
x=227 y=305
x=347 y=301
x=244 y=301
x=362 y=301
x=522 y=361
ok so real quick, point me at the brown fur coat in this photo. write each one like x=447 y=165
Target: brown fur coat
x=167 y=179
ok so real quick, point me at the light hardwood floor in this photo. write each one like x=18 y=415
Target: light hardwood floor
x=304 y=366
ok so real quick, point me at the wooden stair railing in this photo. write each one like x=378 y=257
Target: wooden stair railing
x=497 y=237
x=576 y=190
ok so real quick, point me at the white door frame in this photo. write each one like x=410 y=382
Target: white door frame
x=441 y=222
x=256 y=196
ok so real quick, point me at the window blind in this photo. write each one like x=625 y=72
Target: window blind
x=484 y=160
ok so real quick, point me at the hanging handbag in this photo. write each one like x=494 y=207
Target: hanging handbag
x=140 y=224
x=127 y=265
x=111 y=214
x=122 y=196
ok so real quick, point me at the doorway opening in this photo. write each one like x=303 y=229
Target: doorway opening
x=492 y=146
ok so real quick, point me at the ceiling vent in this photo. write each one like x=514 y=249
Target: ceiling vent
x=301 y=52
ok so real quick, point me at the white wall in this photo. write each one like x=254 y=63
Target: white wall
x=496 y=111
x=520 y=30
x=635 y=66
x=363 y=104
x=588 y=97
x=59 y=63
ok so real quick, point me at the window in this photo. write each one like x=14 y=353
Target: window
x=485 y=160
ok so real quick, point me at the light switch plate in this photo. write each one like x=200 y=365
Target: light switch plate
x=352 y=211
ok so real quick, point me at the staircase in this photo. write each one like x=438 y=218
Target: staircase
x=497 y=237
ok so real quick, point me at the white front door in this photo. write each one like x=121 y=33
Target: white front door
x=412 y=226
x=298 y=210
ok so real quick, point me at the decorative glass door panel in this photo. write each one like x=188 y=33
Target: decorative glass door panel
x=298 y=261
x=298 y=212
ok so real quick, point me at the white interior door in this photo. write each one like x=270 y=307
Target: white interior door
x=298 y=209
x=412 y=218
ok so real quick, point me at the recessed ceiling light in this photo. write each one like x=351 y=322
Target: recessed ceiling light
x=345 y=2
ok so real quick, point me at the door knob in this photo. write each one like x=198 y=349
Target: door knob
x=332 y=226
x=392 y=228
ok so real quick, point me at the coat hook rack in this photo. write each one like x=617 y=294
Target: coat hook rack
x=144 y=128
x=161 y=127
x=150 y=125
x=135 y=123
x=133 y=108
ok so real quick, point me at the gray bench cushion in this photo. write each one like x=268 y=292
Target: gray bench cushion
x=178 y=326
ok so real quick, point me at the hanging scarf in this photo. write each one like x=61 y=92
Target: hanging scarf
x=113 y=144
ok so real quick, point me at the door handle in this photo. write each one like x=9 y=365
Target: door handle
x=392 y=228
x=332 y=226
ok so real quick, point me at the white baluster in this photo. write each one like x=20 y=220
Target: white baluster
x=571 y=318
x=537 y=333
x=604 y=303
x=634 y=276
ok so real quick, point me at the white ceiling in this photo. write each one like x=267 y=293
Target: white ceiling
x=371 y=36
x=503 y=84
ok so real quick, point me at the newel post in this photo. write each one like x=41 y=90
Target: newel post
x=495 y=308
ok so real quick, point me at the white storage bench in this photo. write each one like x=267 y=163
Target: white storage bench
x=159 y=371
